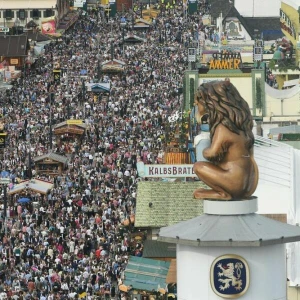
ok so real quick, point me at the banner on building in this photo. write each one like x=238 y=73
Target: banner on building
x=164 y=171
x=49 y=26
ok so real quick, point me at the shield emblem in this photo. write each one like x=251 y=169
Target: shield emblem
x=229 y=276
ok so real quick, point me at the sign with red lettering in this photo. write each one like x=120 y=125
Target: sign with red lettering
x=287 y=24
x=167 y=171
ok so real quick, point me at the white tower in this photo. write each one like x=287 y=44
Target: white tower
x=231 y=252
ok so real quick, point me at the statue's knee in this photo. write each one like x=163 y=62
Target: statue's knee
x=198 y=167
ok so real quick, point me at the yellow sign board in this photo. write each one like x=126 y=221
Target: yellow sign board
x=14 y=61
x=230 y=64
x=74 y=122
x=225 y=61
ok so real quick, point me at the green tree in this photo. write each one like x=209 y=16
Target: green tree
x=192 y=91
x=259 y=102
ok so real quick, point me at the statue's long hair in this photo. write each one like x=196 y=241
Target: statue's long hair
x=225 y=105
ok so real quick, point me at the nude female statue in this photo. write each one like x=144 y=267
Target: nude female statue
x=231 y=171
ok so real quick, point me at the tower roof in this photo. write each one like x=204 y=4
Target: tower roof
x=251 y=230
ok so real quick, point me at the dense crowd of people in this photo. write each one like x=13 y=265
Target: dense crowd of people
x=74 y=242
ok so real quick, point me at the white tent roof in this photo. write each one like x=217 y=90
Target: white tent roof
x=37 y=185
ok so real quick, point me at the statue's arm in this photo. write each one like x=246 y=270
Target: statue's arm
x=219 y=146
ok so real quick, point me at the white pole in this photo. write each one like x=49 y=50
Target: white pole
x=220 y=30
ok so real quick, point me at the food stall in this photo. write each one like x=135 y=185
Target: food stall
x=50 y=164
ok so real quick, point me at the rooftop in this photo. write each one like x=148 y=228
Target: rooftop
x=52 y=156
x=250 y=230
x=156 y=249
x=32 y=4
x=166 y=203
x=146 y=274
x=13 y=45
x=37 y=185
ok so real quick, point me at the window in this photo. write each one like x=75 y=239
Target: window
x=35 y=14
x=22 y=14
x=8 y=14
x=192 y=51
x=48 y=13
x=258 y=50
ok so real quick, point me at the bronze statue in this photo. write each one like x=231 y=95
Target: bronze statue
x=231 y=171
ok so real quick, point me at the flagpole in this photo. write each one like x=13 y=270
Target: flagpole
x=220 y=30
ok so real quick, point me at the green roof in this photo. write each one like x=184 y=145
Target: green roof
x=146 y=274
x=161 y=204
x=156 y=249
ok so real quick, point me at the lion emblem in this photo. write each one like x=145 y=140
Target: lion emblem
x=232 y=274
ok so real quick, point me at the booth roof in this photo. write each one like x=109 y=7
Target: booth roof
x=143 y=21
x=113 y=62
x=15 y=45
x=65 y=123
x=134 y=38
x=37 y=36
x=155 y=249
x=53 y=156
x=37 y=185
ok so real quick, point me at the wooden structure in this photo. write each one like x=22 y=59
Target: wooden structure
x=175 y=152
x=133 y=39
x=141 y=24
x=69 y=131
x=2 y=133
x=14 y=49
x=113 y=66
x=149 y=14
x=50 y=164
x=178 y=157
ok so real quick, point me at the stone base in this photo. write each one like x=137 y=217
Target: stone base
x=225 y=208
